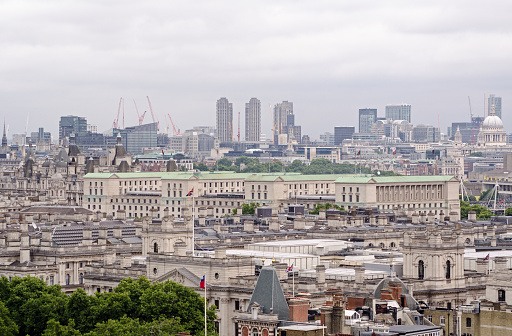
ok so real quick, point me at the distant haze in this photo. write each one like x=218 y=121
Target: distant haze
x=329 y=58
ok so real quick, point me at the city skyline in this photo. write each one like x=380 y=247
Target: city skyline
x=348 y=56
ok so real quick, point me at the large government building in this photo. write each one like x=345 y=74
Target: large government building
x=165 y=193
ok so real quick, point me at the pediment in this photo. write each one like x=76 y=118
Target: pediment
x=182 y=276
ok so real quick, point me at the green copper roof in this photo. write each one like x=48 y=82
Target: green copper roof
x=269 y=177
x=392 y=179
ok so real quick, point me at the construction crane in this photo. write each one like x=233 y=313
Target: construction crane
x=470 y=112
x=115 y=124
x=141 y=117
x=174 y=131
x=153 y=115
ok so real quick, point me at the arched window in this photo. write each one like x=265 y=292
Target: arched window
x=448 y=269
x=81 y=278
x=421 y=269
x=255 y=332
x=501 y=295
x=68 y=277
x=155 y=247
x=393 y=244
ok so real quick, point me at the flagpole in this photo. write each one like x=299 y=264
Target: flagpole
x=193 y=224
x=205 y=324
x=293 y=283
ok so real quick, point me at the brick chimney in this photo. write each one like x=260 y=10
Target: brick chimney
x=298 y=309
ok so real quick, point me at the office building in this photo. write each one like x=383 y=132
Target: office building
x=253 y=120
x=343 y=132
x=281 y=112
x=40 y=137
x=71 y=124
x=367 y=117
x=425 y=133
x=136 y=138
x=224 y=120
x=496 y=101
x=398 y=112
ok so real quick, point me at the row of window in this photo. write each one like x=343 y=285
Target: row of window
x=133 y=200
x=129 y=183
x=294 y=186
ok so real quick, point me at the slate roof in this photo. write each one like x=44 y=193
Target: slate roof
x=61 y=210
x=73 y=234
x=269 y=294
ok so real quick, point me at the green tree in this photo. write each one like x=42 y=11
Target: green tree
x=32 y=303
x=476 y=154
x=508 y=211
x=7 y=325
x=296 y=166
x=249 y=209
x=201 y=166
x=127 y=326
x=325 y=206
x=54 y=328
x=481 y=212
x=166 y=299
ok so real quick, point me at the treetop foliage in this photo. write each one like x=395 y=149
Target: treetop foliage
x=135 y=307
x=317 y=166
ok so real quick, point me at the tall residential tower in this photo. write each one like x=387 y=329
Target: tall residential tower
x=224 y=120
x=367 y=117
x=398 y=112
x=253 y=120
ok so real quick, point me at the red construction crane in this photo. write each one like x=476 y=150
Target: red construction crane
x=153 y=115
x=115 y=124
x=174 y=131
x=141 y=117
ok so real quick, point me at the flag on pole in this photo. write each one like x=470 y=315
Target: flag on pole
x=289 y=269
x=487 y=257
x=163 y=153
x=394 y=152
x=359 y=153
x=202 y=284
x=191 y=192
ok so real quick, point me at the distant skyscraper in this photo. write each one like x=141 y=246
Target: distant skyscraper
x=367 y=117
x=224 y=120
x=71 y=124
x=253 y=120
x=497 y=104
x=398 y=112
x=343 y=132
x=281 y=113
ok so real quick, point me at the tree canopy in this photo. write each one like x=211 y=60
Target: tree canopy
x=481 y=212
x=245 y=164
x=134 y=307
x=325 y=206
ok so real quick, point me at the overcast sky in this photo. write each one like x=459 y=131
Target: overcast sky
x=329 y=58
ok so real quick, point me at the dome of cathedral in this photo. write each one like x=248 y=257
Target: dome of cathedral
x=492 y=121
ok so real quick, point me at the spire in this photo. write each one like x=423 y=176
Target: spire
x=4 y=137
